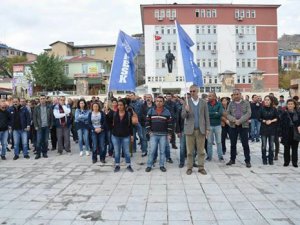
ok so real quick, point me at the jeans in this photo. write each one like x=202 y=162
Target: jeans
x=264 y=140
x=3 y=139
x=98 y=144
x=83 y=136
x=23 y=136
x=121 y=143
x=155 y=141
x=255 y=128
x=109 y=142
x=142 y=136
x=214 y=134
x=42 y=136
x=225 y=132
x=233 y=134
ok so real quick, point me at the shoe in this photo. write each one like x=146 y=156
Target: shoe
x=129 y=168
x=8 y=150
x=15 y=157
x=202 y=171
x=276 y=157
x=59 y=153
x=3 y=157
x=87 y=153
x=248 y=165
x=286 y=164
x=221 y=159
x=94 y=161
x=169 y=160
x=81 y=153
x=174 y=147
x=144 y=154
x=265 y=163
x=53 y=149
x=257 y=140
x=189 y=172
x=181 y=165
x=117 y=169
x=26 y=157
x=102 y=160
x=231 y=162
x=295 y=165
x=195 y=165
x=208 y=159
x=148 y=169
x=252 y=140
x=271 y=163
x=163 y=169
x=45 y=156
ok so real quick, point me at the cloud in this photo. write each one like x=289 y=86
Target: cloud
x=32 y=25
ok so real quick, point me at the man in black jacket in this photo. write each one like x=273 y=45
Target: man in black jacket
x=255 y=123
x=4 y=120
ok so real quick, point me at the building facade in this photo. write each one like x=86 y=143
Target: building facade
x=289 y=60
x=238 y=38
x=102 y=52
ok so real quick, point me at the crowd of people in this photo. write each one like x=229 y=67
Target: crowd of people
x=113 y=128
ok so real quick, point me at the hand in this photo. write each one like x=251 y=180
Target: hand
x=227 y=122
x=207 y=133
x=299 y=129
x=268 y=122
x=169 y=137
x=187 y=107
x=131 y=139
x=36 y=128
x=237 y=122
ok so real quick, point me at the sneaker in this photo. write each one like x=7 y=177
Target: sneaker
x=27 y=157
x=148 y=169
x=181 y=165
x=15 y=157
x=163 y=169
x=87 y=153
x=202 y=171
x=248 y=165
x=169 y=160
x=37 y=157
x=144 y=154
x=189 y=172
x=45 y=156
x=3 y=157
x=231 y=162
x=117 y=169
x=129 y=168
x=81 y=153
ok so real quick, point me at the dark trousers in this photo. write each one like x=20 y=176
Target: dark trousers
x=233 y=134
x=294 y=145
x=276 y=141
x=42 y=140
x=225 y=132
x=53 y=137
x=270 y=140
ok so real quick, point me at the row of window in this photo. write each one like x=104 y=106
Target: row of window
x=241 y=30
x=165 y=46
x=160 y=14
x=208 y=29
x=246 y=63
x=244 y=13
x=207 y=63
x=206 y=13
x=162 y=79
x=206 y=46
x=83 y=52
x=161 y=63
x=250 y=46
x=165 y=30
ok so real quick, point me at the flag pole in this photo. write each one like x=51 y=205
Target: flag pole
x=184 y=78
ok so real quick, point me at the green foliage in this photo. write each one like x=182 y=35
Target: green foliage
x=48 y=72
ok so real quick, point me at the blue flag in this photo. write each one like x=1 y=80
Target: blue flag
x=122 y=76
x=192 y=72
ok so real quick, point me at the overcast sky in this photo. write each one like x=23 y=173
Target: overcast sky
x=32 y=25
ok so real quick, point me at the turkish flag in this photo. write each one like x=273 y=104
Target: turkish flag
x=157 y=37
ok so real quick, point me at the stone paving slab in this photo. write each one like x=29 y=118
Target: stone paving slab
x=69 y=189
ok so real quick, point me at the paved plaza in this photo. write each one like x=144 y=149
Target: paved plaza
x=69 y=189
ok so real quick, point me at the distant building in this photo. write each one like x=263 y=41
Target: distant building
x=9 y=52
x=289 y=42
x=139 y=61
x=22 y=84
x=103 y=52
x=289 y=60
x=235 y=37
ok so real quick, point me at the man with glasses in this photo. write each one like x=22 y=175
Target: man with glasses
x=20 y=125
x=63 y=123
x=196 y=128
x=238 y=114
x=159 y=126
x=42 y=120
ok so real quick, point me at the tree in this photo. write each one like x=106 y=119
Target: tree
x=48 y=72
x=286 y=76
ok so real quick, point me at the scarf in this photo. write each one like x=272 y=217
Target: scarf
x=62 y=120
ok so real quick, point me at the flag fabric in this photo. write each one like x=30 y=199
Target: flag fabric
x=157 y=38
x=122 y=76
x=192 y=72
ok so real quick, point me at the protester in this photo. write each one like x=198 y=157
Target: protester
x=4 y=122
x=225 y=126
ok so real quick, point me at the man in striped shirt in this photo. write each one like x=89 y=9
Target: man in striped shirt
x=160 y=127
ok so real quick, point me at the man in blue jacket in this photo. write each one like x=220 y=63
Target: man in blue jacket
x=20 y=125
